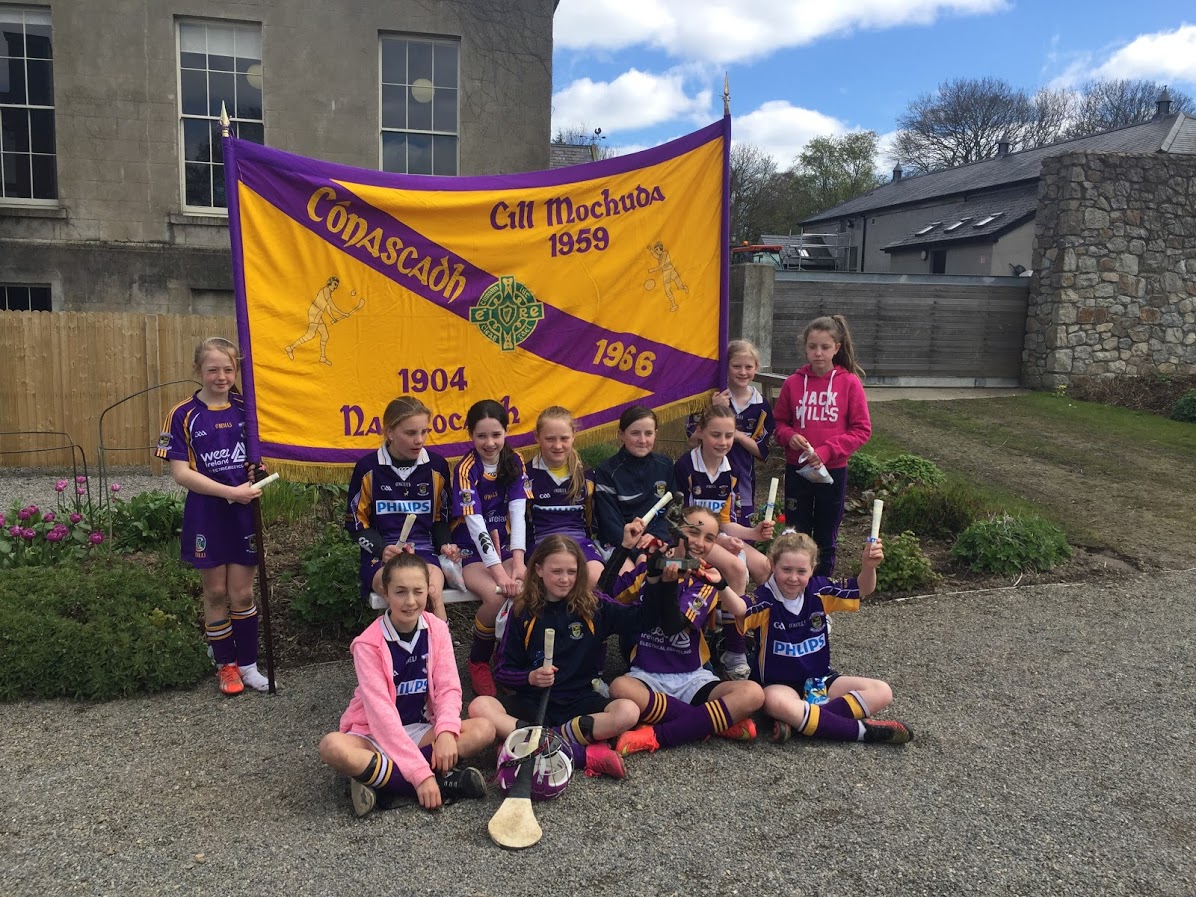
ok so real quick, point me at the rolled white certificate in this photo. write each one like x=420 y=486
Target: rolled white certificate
x=878 y=507
x=655 y=509
x=772 y=501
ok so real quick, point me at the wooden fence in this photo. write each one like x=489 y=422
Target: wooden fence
x=907 y=329
x=62 y=369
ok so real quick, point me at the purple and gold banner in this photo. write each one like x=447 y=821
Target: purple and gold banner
x=593 y=287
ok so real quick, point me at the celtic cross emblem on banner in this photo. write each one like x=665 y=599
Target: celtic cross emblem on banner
x=506 y=313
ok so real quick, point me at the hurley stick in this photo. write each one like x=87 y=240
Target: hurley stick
x=514 y=826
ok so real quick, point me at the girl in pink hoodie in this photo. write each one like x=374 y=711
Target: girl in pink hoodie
x=822 y=419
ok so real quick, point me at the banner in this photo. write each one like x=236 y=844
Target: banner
x=594 y=287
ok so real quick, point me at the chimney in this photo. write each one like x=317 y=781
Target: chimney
x=1163 y=104
x=897 y=172
x=1002 y=147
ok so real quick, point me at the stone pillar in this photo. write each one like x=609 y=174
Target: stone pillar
x=752 y=288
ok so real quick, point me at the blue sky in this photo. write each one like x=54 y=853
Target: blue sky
x=646 y=71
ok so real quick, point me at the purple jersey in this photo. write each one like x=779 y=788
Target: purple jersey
x=476 y=492
x=687 y=651
x=210 y=439
x=756 y=420
x=410 y=658
x=553 y=512
x=715 y=493
x=793 y=634
x=382 y=494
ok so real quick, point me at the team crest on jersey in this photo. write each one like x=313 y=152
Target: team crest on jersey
x=575 y=631
x=506 y=313
x=466 y=496
x=817 y=621
x=201 y=543
x=164 y=441
x=697 y=490
x=661 y=488
x=423 y=489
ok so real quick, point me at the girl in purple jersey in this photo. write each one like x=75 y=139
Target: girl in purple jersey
x=489 y=496
x=204 y=440
x=801 y=689
x=562 y=492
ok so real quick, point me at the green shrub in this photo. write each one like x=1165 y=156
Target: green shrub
x=863 y=470
x=1008 y=545
x=330 y=593
x=932 y=512
x=1185 y=409
x=99 y=630
x=593 y=455
x=905 y=567
x=910 y=469
x=147 y=520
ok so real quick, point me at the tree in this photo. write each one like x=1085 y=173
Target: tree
x=831 y=170
x=1103 y=105
x=760 y=195
x=964 y=119
x=581 y=135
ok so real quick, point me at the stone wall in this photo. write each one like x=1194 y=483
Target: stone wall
x=1114 y=285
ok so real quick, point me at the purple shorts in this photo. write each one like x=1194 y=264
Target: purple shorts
x=371 y=565
x=216 y=533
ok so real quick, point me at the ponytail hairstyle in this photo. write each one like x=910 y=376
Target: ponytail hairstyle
x=217 y=344
x=836 y=326
x=403 y=561
x=581 y=600
x=508 y=467
x=802 y=543
x=577 y=471
x=398 y=410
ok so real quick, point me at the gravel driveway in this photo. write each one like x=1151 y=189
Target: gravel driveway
x=1054 y=754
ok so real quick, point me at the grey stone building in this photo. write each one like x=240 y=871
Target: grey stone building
x=111 y=182
x=976 y=219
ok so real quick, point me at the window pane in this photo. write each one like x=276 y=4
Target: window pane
x=12 y=39
x=221 y=86
x=38 y=44
x=419 y=153
x=419 y=115
x=220 y=63
x=444 y=110
x=39 y=299
x=254 y=132
x=199 y=184
x=217 y=140
x=41 y=82
x=218 y=186
x=14 y=130
x=45 y=177
x=195 y=92
x=17 y=180
x=247 y=43
x=444 y=156
x=394 y=62
x=196 y=140
x=445 y=58
x=249 y=99
x=221 y=41
x=394 y=106
x=12 y=89
x=193 y=60
x=419 y=61
x=193 y=38
x=394 y=152
x=16 y=298
x=41 y=130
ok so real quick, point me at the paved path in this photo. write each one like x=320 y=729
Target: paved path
x=1055 y=754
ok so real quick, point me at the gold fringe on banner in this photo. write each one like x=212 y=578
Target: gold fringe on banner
x=664 y=414
x=310 y=471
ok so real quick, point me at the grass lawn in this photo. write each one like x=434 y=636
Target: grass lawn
x=1121 y=482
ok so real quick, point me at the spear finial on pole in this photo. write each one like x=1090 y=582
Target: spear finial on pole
x=726 y=93
x=224 y=120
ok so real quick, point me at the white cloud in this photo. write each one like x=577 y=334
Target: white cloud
x=1167 y=56
x=723 y=31
x=782 y=129
x=631 y=101
x=1162 y=56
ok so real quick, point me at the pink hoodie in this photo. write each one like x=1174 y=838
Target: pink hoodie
x=830 y=411
x=372 y=710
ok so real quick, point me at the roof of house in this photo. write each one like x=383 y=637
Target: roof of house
x=1169 y=133
x=562 y=155
x=984 y=217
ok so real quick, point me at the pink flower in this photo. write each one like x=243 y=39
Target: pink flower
x=60 y=486
x=80 y=479
x=55 y=535
x=96 y=537
x=79 y=490
x=28 y=534
x=3 y=522
x=14 y=531
x=48 y=516
x=75 y=518
x=24 y=514
x=115 y=487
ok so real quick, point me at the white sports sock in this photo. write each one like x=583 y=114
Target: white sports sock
x=253 y=679
x=732 y=658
